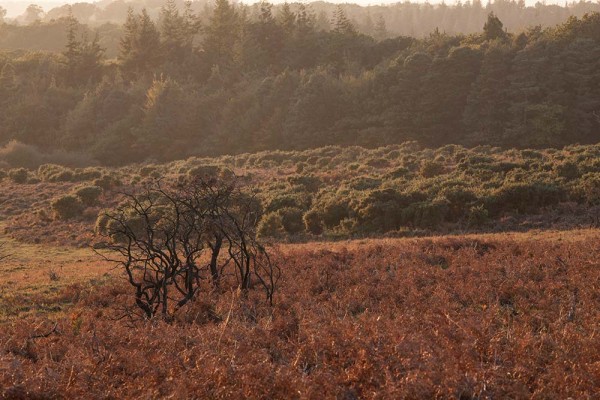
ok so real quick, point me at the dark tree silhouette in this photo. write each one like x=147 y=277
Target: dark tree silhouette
x=172 y=238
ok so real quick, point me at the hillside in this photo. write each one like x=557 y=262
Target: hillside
x=334 y=193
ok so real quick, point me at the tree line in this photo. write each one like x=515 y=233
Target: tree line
x=241 y=82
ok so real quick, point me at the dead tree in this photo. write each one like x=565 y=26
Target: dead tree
x=173 y=240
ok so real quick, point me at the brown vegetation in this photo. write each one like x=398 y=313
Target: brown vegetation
x=490 y=316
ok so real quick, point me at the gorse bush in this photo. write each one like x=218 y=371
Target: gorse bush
x=67 y=207
x=18 y=175
x=271 y=225
x=480 y=188
x=88 y=195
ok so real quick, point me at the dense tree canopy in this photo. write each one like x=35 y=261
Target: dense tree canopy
x=244 y=81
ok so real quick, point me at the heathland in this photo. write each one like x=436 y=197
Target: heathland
x=232 y=201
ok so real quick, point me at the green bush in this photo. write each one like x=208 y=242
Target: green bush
x=67 y=207
x=587 y=189
x=310 y=183
x=459 y=200
x=430 y=169
x=18 y=175
x=382 y=210
x=524 y=197
x=147 y=170
x=89 y=195
x=567 y=170
x=271 y=225
x=204 y=171
x=291 y=219
x=55 y=173
x=281 y=200
x=426 y=214
x=87 y=174
x=102 y=223
x=107 y=181
x=478 y=216
x=313 y=222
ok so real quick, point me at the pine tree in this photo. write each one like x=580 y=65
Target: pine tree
x=127 y=44
x=72 y=51
x=140 y=46
x=380 y=32
x=287 y=20
x=493 y=28
x=221 y=34
x=91 y=55
x=341 y=24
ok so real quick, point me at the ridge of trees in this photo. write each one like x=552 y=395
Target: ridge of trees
x=240 y=83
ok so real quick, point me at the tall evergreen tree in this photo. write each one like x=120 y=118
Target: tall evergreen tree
x=221 y=35
x=493 y=28
x=140 y=49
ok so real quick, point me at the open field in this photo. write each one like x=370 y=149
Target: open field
x=34 y=276
x=475 y=316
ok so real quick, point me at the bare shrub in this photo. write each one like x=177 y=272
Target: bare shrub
x=171 y=238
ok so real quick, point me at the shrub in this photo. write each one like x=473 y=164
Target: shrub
x=430 y=169
x=459 y=201
x=364 y=183
x=181 y=227
x=309 y=182
x=87 y=174
x=333 y=211
x=284 y=199
x=426 y=214
x=399 y=172
x=478 y=216
x=291 y=219
x=524 y=197
x=567 y=170
x=107 y=181
x=271 y=225
x=67 y=207
x=588 y=189
x=312 y=222
x=18 y=175
x=102 y=222
x=55 y=173
x=147 y=170
x=378 y=163
x=382 y=210
x=89 y=195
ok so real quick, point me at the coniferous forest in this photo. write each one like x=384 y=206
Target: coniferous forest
x=236 y=78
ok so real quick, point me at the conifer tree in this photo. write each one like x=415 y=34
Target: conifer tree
x=222 y=34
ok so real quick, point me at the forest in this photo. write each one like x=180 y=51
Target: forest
x=246 y=79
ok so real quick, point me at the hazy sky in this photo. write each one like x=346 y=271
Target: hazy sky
x=16 y=7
